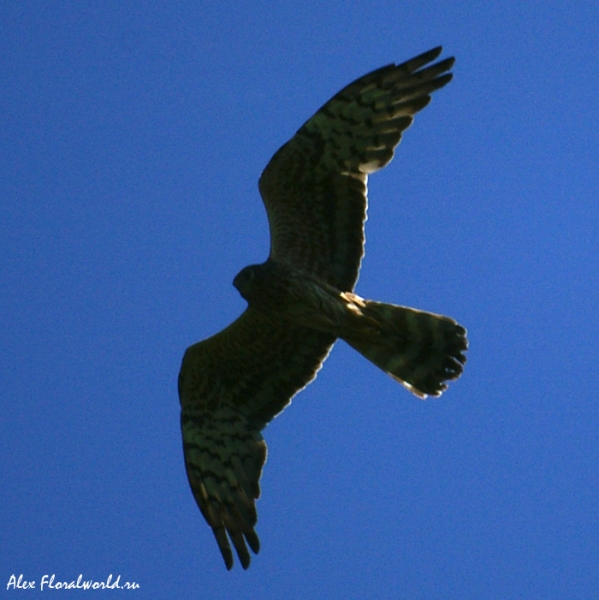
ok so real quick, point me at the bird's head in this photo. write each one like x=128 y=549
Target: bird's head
x=244 y=280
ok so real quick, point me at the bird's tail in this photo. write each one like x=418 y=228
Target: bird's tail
x=420 y=350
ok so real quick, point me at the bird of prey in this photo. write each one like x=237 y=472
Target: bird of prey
x=301 y=300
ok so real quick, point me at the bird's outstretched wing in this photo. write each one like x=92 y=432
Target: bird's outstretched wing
x=314 y=187
x=230 y=386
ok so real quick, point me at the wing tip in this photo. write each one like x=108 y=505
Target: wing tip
x=417 y=62
x=222 y=540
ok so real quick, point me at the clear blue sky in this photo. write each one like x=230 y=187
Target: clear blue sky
x=132 y=136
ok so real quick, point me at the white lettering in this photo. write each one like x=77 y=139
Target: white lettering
x=19 y=584
x=44 y=582
x=49 y=581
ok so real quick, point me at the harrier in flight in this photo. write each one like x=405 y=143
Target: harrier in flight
x=301 y=300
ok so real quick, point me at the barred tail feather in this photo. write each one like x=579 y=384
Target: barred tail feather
x=420 y=350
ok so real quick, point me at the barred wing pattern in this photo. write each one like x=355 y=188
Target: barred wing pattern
x=231 y=385
x=314 y=187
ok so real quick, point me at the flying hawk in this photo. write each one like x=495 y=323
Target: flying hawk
x=301 y=300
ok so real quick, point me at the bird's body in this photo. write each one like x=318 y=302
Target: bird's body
x=301 y=299
x=297 y=297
